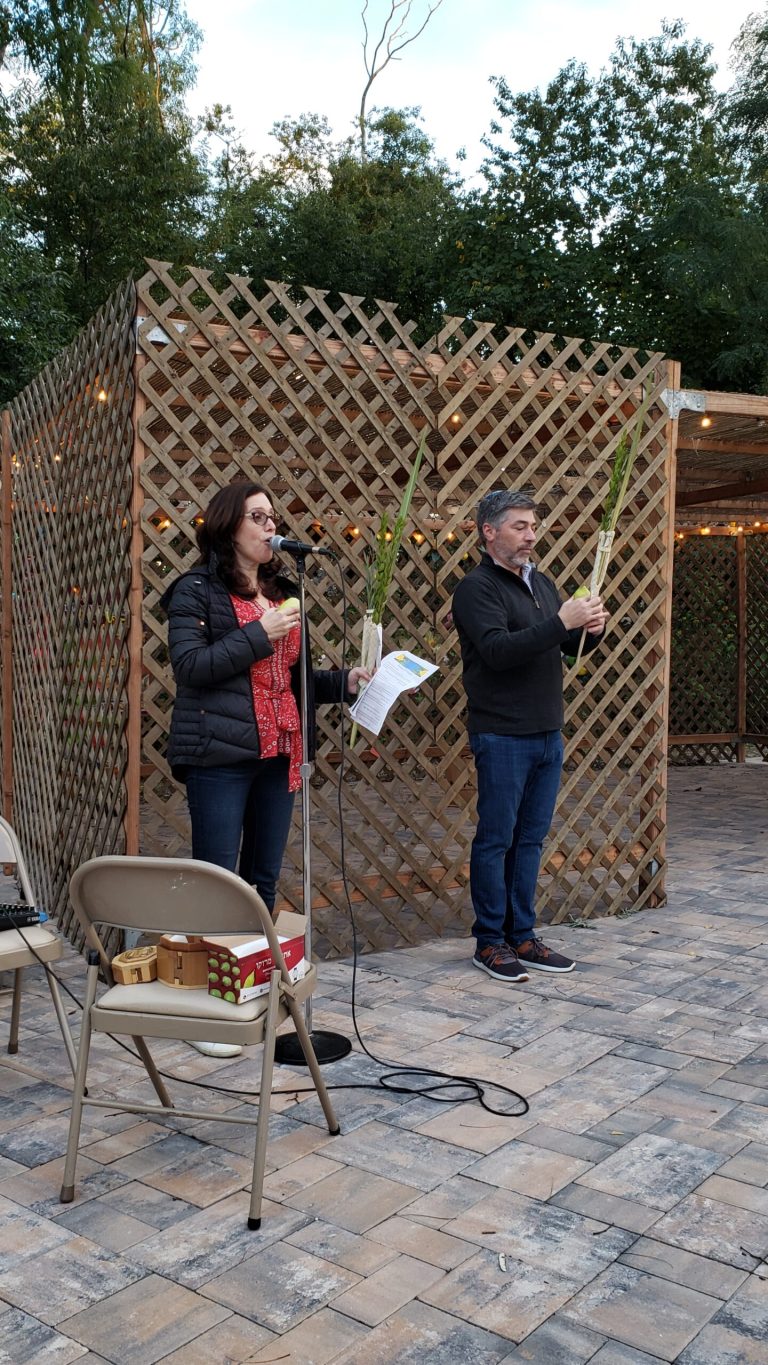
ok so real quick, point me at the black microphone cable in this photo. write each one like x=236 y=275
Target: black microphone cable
x=442 y=1087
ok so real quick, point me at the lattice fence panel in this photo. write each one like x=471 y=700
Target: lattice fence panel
x=71 y=441
x=704 y=665
x=329 y=407
x=757 y=641
x=544 y=414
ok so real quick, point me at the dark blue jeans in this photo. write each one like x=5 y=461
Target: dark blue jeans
x=243 y=809
x=518 y=777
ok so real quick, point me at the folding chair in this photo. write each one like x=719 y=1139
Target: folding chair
x=28 y=947
x=182 y=896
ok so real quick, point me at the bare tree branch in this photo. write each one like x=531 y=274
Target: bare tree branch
x=392 y=39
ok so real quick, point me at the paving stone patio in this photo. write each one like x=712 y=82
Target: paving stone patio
x=622 y=1221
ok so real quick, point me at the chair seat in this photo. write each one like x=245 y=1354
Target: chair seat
x=155 y=997
x=15 y=952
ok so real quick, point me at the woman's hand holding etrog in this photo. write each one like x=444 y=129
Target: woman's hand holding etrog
x=278 y=623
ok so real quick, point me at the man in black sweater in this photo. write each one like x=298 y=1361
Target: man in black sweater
x=513 y=630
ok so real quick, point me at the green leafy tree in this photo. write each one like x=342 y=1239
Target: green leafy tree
x=616 y=207
x=34 y=322
x=97 y=161
x=746 y=106
x=317 y=214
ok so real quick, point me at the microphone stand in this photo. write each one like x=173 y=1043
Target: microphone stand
x=329 y=1047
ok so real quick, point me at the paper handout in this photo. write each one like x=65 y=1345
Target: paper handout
x=398 y=672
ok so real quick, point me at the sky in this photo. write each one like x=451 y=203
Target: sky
x=274 y=58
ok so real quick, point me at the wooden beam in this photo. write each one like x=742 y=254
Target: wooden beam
x=132 y=826
x=729 y=737
x=746 y=488
x=741 y=646
x=738 y=446
x=6 y=616
x=736 y=404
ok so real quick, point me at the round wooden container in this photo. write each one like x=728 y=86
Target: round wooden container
x=183 y=964
x=134 y=966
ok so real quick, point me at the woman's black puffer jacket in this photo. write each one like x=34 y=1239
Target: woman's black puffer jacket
x=213 y=721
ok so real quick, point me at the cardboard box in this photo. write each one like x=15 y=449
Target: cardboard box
x=239 y=965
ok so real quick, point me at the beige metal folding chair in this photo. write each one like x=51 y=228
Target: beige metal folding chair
x=180 y=895
x=29 y=947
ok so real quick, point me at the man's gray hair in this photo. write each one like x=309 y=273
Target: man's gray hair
x=492 y=509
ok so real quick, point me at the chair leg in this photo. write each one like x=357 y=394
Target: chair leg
x=62 y=1018
x=67 y=1192
x=314 y=1067
x=152 y=1072
x=265 y=1096
x=13 y=1037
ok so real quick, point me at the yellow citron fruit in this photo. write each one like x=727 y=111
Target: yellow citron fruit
x=289 y=604
x=581 y=592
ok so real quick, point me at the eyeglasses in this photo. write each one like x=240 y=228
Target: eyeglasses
x=261 y=518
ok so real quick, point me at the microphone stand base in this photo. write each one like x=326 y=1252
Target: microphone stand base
x=329 y=1047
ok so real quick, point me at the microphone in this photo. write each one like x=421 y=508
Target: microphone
x=297 y=547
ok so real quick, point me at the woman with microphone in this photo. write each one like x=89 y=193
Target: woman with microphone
x=234 y=640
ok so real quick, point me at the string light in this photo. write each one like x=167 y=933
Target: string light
x=723 y=529
x=706 y=421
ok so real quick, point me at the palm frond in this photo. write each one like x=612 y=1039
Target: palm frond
x=381 y=568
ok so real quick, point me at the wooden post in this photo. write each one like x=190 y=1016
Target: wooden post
x=657 y=830
x=6 y=615
x=741 y=646
x=136 y=626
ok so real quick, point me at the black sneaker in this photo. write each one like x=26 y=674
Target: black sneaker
x=534 y=953
x=500 y=961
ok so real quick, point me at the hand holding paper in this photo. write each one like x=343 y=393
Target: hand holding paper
x=399 y=672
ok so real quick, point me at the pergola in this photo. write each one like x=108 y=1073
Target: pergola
x=719 y=683
x=722 y=461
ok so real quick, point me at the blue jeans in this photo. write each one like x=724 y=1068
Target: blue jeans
x=518 y=777
x=243 y=809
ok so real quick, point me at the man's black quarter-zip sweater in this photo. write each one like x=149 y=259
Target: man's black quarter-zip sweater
x=512 y=642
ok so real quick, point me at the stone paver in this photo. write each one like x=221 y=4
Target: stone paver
x=144 y=1322
x=623 y=1220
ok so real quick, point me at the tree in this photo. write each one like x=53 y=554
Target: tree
x=97 y=161
x=616 y=208
x=34 y=322
x=390 y=43
x=746 y=106
x=380 y=228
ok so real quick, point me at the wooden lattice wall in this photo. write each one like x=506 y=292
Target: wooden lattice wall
x=328 y=407
x=719 y=674
x=66 y=474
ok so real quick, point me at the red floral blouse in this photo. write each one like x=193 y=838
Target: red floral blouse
x=274 y=705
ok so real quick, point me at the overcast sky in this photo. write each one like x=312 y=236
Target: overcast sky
x=271 y=58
